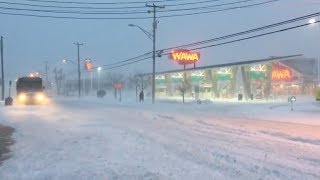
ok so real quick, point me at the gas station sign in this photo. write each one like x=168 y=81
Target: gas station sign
x=281 y=73
x=224 y=74
x=184 y=56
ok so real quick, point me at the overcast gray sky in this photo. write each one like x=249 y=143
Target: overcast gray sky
x=29 y=41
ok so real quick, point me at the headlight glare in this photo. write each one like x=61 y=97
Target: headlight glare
x=22 y=97
x=40 y=97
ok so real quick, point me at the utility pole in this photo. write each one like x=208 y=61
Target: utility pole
x=154 y=27
x=90 y=80
x=2 y=72
x=318 y=73
x=47 y=79
x=56 y=79
x=79 y=73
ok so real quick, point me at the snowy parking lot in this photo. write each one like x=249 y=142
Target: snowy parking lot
x=104 y=139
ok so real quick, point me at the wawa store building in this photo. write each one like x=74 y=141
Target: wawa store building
x=270 y=78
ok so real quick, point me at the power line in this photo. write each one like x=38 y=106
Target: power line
x=207 y=6
x=246 y=32
x=191 y=3
x=223 y=37
x=127 y=60
x=220 y=10
x=130 y=7
x=250 y=37
x=139 y=17
x=228 y=42
x=69 y=7
x=126 y=12
x=147 y=58
x=90 y=7
x=75 y=12
x=72 y=17
x=255 y=36
x=99 y=3
x=123 y=7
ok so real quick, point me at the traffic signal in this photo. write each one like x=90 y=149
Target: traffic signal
x=88 y=64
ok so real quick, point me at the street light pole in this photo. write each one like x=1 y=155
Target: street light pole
x=318 y=73
x=154 y=56
x=91 y=80
x=144 y=31
x=2 y=71
x=313 y=21
x=99 y=69
x=46 y=71
x=154 y=27
x=79 y=72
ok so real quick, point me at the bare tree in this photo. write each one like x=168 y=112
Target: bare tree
x=133 y=81
x=143 y=80
x=184 y=86
x=59 y=77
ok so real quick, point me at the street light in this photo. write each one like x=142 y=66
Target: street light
x=312 y=21
x=66 y=61
x=79 y=80
x=99 y=69
x=153 y=38
x=143 y=30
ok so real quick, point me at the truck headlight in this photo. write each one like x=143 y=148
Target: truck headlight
x=40 y=97
x=22 y=97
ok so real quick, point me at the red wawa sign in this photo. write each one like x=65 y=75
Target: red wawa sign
x=281 y=73
x=184 y=56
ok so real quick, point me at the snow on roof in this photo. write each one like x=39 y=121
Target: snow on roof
x=306 y=66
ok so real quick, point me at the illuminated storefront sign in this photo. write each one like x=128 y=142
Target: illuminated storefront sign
x=160 y=79
x=197 y=76
x=258 y=68
x=281 y=73
x=224 y=71
x=184 y=56
x=177 y=75
x=258 y=72
x=224 y=74
x=198 y=73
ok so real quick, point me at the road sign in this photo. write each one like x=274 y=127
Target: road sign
x=117 y=86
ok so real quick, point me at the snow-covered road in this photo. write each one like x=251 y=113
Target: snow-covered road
x=100 y=139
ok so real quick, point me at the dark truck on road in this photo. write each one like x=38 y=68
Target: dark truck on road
x=30 y=90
